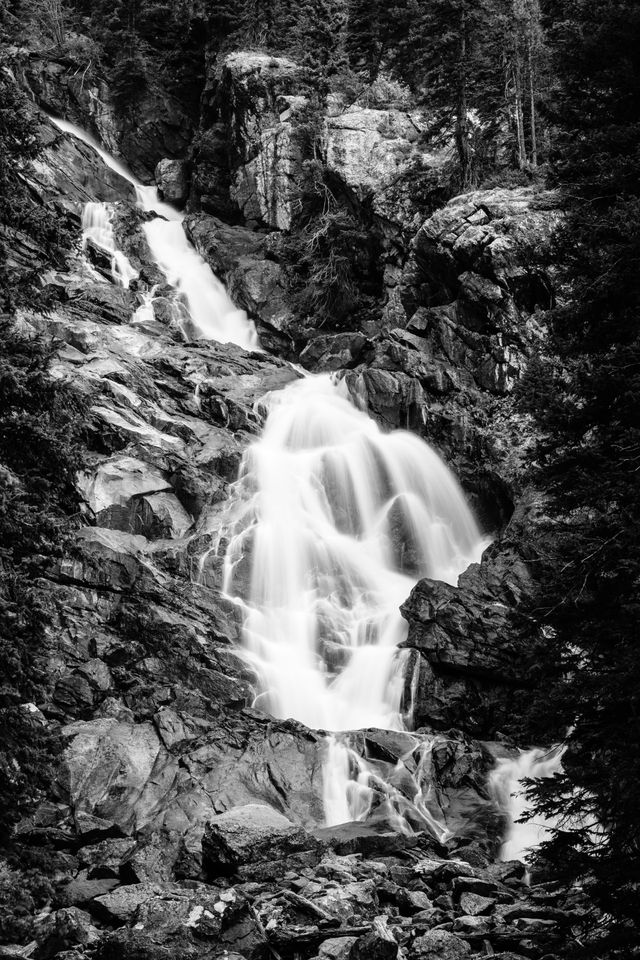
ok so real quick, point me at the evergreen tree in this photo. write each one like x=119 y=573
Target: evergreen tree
x=588 y=666
x=318 y=35
x=451 y=52
x=369 y=34
x=524 y=46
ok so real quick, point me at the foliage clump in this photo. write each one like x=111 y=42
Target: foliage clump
x=332 y=253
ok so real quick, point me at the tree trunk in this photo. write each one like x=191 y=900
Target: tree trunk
x=522 y=147
x=462 y=118
x=532 y=105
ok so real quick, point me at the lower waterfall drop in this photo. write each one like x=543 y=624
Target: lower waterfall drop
x=506 y=784
x=333 y=522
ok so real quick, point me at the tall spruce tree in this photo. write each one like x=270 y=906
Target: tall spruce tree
x=586 y=402
x=451 y=52
x=370 y=32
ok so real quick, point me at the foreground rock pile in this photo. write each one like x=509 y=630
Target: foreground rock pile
x=268 y=888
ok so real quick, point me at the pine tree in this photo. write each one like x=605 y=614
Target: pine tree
x=369 y=34
x=450 y=52
x=588 y=664
x=524 y=47
x=317 y=39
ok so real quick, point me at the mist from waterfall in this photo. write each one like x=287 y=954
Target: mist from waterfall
x=334 y=522
x=212 y=314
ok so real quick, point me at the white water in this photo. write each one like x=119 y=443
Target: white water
x=506 y=785
x=212 y=313
x=334 y=522
x=97 y=226
x=339 y=521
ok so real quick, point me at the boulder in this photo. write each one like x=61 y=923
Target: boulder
x=439 y=945
x=171 y=178
x=336 y=948
x=471 y=925
x=63 y=930
x=84 y=891
x=115 y=482
x=153 y=859
x=103 y=859
x=248 y=835
x=472 y=904
x=378 y=944
x=120 y=906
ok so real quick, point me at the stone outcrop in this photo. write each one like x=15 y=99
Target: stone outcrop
x=246 y=158
x=378 y=147
x=259 y=105
x=172 y=181
x=156 y=127
x=467 y=641
x=463 y=320
x=243 y=259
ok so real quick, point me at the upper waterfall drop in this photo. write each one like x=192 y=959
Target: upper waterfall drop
x=334 y=522
x=213 y=314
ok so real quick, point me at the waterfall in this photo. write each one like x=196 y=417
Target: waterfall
x=505 y=783
x=213 y=316
x=97 y=225
x=334 y=522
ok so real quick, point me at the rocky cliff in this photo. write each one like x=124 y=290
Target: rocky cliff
x=183 y=822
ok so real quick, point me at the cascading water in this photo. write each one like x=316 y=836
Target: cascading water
x=213 y=316
x=334 y=522
x=97 y=226
x=505 y=783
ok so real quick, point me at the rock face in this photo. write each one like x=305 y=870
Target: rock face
x=242 y=258
x=260 y=105
x=468 y=639
x=254 y=95
x=463 y=320
x=373 y=145
x=156 y=127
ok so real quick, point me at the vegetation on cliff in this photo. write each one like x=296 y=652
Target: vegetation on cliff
x=481 y=68
x=40 y=421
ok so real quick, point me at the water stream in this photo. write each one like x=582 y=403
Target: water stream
x=505 y=782
x=334 y=523
x=331 y=523
x=213 y=316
